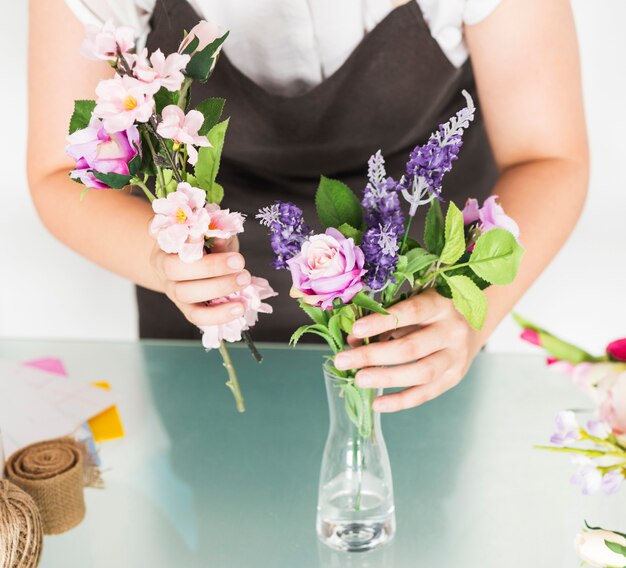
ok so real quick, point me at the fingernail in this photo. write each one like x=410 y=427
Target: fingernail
x=359 y=329
x=342 y=361
x=243 y=279
x=365 y=380
x=237 y=310
x=235 y=262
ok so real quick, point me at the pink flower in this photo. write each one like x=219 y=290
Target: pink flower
x=617 y=350
x=183 y=129
x=251 y=297
x=180 y=222
x=105 y=42
x=206 y=32
x=490 y=216
x=328 y=266
x=121 y=101
x=161 y=71
x=223 y=224
x=95 y=150
x=531 y=336
x=613 y=406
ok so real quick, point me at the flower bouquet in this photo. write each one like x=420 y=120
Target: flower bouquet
x=365 y=262
x=140 y=132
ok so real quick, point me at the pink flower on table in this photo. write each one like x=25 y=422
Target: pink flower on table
x=617 y=350
x=613 y=405
x=206 y=32
x=489 y=216
x=180 y=222
x=95 y=150
x=160 y=71
x=183 y=129
x=328 y=266
x=122 y=101
x=531 y=336
x=252 y=299
x=104 y=42
x=223 y=224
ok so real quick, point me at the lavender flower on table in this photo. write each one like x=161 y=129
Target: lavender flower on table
x=287 y=229
x=433 y=160
x=380 y=246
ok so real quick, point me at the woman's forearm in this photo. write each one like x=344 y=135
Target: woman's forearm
x=110 y=228
x=545 y=197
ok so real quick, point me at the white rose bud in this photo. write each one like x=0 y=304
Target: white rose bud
x=591 y=548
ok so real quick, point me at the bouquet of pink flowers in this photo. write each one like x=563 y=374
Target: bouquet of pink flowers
x=140 y=128
x=366 y=261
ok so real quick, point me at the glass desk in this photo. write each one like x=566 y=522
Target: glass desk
x=195 y=484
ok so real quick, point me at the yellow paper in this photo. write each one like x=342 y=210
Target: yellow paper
x=107 y=425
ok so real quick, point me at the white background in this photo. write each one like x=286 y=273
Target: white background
x=48 y=291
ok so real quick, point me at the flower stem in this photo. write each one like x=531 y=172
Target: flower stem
x=144 y=187
x=406 y=234
x=233 y=382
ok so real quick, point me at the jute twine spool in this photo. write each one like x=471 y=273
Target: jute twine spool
x=54 y=474
x=21 y=531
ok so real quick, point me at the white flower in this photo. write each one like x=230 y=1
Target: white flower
x=592 y=548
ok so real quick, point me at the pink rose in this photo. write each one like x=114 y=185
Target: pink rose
x=617 y=350
x=181 y=222
x=183 y=129
x=95 y=150
x=489 y=216
x=103 y=43
x=121 y=101
x=160 y=71
x=613 y=406
x=251 y=297
x=328 y=266
x=223 y=224
x=206 y=32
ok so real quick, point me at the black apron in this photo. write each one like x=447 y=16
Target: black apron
x=396 y=87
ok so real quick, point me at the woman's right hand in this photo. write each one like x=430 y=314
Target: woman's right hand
x=190 y=285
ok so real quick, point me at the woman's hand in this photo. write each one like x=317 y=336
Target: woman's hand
x=429 y=344
x=190 y=285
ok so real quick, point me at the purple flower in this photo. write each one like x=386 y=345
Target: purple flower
x=598 y=429
x=612 y=481
x=433 y=160
x=567 y=428
x=287 y=229
x=587 y=475
x=380 y=246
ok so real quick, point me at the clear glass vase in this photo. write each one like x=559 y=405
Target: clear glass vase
x=355 y=510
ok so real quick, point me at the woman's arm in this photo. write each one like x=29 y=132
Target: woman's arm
x=525 y=59
x=109 y=228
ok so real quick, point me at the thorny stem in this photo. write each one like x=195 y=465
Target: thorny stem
x=233 y=382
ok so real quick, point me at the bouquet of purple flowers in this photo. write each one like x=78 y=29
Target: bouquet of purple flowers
x=366 y=260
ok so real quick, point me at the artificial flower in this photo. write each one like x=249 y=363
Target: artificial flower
x=183 y=129
x=591 y=547
x=587 y=475
x=223 y=224
x=380 y=248
x=251 y=297
x=567 y=428
x=181 y=221
x=122 y=101
x=490 y=216
x=107 y=41
x=161 y=71
x=96 y=150
x=613 y=402
x=206 y=32
x=617 y=350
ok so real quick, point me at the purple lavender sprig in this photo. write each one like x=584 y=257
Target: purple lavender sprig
x=287 y=229
x=429 y=163
x=380 y=247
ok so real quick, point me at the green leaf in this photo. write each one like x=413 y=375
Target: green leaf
x=434 y=237
x=81 y=116
x=341 y=321
x=367 y=421
x=114 y=181
x=315 y=329
x=134 y=166
x=334 y=328
x=337 y=205
x=318 y=315
x=350 y=232
x=354 y=405
x=496 y=257
x=418 y=259
x=468 y=299
x=562 y=350
x=164 y=98
x=454 y=236
x=208 y=164
x=364 y=301
x=192 y=45
x=615 y=547
x=201 y=62
x=215 y=194
x=211 y=109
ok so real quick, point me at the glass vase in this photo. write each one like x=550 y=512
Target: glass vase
x=355 y=510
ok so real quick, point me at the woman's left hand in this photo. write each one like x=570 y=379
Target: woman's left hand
x=428 y=344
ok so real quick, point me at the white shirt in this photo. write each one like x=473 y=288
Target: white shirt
x=289 y=46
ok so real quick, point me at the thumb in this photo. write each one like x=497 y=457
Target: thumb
x=226 y=245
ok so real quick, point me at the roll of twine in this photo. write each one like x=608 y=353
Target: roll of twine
x=21 y=531
x=54 y=474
